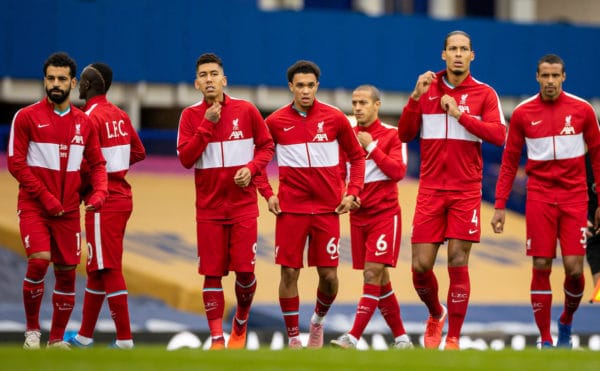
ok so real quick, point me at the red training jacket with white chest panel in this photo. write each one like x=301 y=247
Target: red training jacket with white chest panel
x=451 y=149
x=557 y=134
x=217 y=151
x=121 y=147
x=311 y=152
x=45 y=154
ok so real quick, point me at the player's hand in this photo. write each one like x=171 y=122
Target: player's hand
x=423 y=83
x=449 y=105
x=364 y=138
x=213 y=113
x=346 y=205
x=498 y=220
x=273 y=203
x=242 y=177
x=355 y=204
x=591 y=231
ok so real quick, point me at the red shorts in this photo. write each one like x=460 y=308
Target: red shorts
x=442 y=215
x=104 y=233
x=226 y=247
x=320 y=233
x=376 y=242
x=61 y=236
x=548 y=222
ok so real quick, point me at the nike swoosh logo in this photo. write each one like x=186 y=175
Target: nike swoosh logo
x=472 y=231
x=432 y=98
x=288 y=129
x=43 y=125
x=379 y=253
x=534 y=123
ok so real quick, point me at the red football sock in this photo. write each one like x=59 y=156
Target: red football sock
x=245 y=287
x=323 y=304
x=290 y=308
x=92 y=304
x=458 y=299
x=390 y=310
x=573 y=287
x=365 y=309
x=116 y=295
x=63 y=301
x=541 y=301
x=33 y=291
x=426 y=285
x=214 y=305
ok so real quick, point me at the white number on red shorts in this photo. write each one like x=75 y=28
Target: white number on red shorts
x=381 y=243
x=332 y=247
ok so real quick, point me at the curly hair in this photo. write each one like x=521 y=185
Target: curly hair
x=61 y=59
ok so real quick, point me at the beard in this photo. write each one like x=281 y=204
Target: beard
x=458 y=72
x=58 y=98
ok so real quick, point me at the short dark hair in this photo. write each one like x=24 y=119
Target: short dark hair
x=209 y=58
x=61 y=59
x=457 y=32
x=105 y=72
x=551 y=59
x=303 y=67
x=375 y=93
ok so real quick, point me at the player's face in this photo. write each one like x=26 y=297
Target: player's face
x=210 y=80
x=550 y=77
x=364 y=107
x=458 y=54
x=84 y=85
x=304 y=86
x=58 y=83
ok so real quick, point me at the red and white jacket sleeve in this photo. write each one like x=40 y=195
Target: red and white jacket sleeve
x=491 y=127
x=410 y=121
x=97 y=168
x=192 y=138
x=18 y=147
x=510 y=161
x=354 y=155
x=263 y=143
x=137 y=151
x=393 y=164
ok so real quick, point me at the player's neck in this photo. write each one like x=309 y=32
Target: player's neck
x=61 y=107
x=456 y=79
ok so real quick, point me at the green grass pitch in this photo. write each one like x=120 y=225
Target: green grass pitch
x=13 y=357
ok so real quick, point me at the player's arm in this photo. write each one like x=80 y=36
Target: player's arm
x=137 y=150
x=18 y=146
x=410 y=121
x=392 y=164
x=492 y=126
x=508 y=170
x=354 y=155
x=192 y=138
x=264 y=148
x=97 y=170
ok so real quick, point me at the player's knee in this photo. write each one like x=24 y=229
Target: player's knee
x=373 y=275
